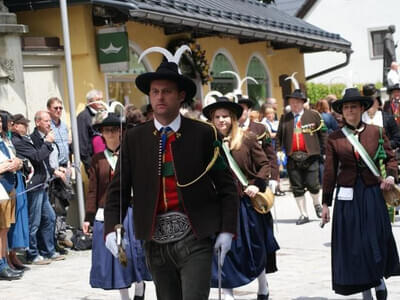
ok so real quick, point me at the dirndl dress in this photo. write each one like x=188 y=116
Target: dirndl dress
x=18 y=234
x=248 y=255
x=106 y=271
x=363 y=246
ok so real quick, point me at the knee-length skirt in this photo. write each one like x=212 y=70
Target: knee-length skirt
x=250 y=250
x=106 y=271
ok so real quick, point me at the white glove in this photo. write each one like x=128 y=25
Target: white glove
x=223 y=242
x=111 y=243
x=272 y=185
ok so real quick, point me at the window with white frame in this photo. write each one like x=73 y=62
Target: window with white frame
x=376 y=42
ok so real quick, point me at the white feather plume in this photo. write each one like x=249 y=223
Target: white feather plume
x=239 y=81
x=247 y=78
x=232 y=97
x=237 y=90
x=210 y=99
x=175 y=58
x=294 y=81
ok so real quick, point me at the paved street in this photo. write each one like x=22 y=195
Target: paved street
x=303 y=262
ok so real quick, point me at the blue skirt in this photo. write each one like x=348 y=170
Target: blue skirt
x=106 y=271
x=18 y=234
x=249 y=251
x=363 y=246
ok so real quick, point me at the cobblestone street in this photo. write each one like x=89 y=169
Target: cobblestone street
x=303 y=262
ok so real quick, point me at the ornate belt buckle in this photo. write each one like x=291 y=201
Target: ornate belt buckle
x=171 y=227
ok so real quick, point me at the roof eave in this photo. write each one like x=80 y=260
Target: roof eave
x=142 y=14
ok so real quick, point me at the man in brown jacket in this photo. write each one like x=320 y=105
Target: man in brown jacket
x=184 y=196
x=302 y=134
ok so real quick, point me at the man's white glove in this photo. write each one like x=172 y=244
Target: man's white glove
x=223 y=242
x=111 y=243
x=272 y=185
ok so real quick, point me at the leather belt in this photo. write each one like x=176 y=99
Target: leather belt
x=171 y=227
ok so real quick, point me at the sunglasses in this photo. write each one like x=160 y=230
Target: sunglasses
x=58 y=108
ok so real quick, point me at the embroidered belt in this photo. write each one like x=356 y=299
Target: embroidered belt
x=171 y=227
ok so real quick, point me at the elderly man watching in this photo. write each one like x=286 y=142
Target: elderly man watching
x=85 y=129
x=37 y=148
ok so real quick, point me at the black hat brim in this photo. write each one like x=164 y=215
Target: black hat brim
x=393 y=88
x=231 y=106
x=367 y=102
x=144 y=80
x=247 y=102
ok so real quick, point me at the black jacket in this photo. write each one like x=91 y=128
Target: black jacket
x=85 y=135
x=391 y=129
x=211 y=203
x=38 y=152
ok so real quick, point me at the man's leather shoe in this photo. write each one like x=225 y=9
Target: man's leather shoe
x=318 y=210
x=381 y=294
x=8 y=274
x=263 y=297
x=302 y=220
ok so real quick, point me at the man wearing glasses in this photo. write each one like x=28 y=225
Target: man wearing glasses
x=60 y=130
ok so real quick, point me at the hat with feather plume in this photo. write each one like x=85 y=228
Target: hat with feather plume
x=297 y=93
x=215 y=100
x=109 y=115
x=168 y=70
x=242 y=99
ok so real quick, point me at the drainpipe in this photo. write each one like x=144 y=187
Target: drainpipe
x=71 y=101
x=348 y=54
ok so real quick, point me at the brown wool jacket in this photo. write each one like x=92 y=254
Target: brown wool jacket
x=252 y=161
x=211 y=203
x=263 y=136
x=99 y=178
x=341 y=166
x=315 y=143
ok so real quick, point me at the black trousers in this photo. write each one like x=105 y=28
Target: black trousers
x=181 y=270
x=304 y=176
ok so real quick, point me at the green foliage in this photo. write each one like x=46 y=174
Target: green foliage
x=317 y=91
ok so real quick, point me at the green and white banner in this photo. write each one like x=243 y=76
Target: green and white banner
x=113 y=49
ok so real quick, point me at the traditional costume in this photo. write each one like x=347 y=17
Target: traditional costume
x=363 y=247
x=183 y=192
x=106 y=271
x=249 y=253
x=302 y=136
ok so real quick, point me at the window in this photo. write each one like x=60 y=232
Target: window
x=257 y=91
x=376 y=43
x=223 y=83
x=121 y=85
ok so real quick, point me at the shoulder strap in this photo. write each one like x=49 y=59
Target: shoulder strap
x=234 y=166
x=361 y=150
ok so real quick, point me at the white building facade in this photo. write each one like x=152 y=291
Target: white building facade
x=364 y=24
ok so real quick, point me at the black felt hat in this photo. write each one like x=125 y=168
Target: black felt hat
x=223 y=102
x=352 y=95
x=297 y=94
x=104 y=119
x=393 y=88
x=369 y=90
x=246 y=101
x=168 y=71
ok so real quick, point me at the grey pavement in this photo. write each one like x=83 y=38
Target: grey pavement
x=303 y=262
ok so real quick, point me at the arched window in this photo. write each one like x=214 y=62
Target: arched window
x=260 y=91
x=121 y=85
x=223 y=83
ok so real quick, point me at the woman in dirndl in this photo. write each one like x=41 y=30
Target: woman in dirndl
x=106 y=271
x=363 y=247
x=247 y=259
